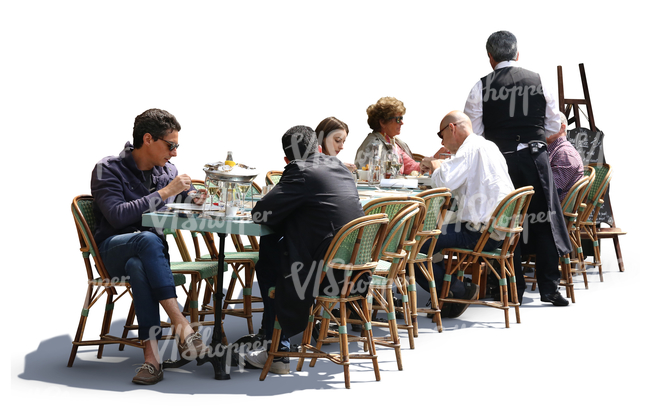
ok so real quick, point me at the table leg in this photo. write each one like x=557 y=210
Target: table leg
x=218 y=354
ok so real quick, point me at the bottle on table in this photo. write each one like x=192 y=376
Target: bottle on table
x=229 y=161
x=374 y=167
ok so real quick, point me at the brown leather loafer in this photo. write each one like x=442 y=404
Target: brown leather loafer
x=148 y=374
x=193 y=347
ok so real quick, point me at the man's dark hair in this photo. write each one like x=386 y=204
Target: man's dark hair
x=502 y=46
x=299 y=142
x=156 y=122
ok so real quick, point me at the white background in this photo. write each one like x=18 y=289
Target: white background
x=237 y=75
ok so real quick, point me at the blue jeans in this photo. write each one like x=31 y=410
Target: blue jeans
x=464 y=238
x=142 y=259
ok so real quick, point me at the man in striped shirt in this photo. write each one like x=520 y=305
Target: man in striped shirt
x=565 y=161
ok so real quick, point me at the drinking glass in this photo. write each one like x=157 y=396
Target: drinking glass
x=243 y=191
x=212 y=189
x=396 y=164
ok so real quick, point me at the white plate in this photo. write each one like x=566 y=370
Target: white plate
x=184 y=207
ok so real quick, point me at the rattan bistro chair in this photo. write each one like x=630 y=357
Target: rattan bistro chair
x=589 y=225
x=406 y=216
x=112 y=288
x=418 y=157
x=273 y=177
x=355 y=250
x=243 y=276
x=508 y=217
x=572 y=207
x=436 y=202
x=571 y=210
x=573 y=222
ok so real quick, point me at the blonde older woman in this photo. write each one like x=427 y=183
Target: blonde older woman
x=386 y=118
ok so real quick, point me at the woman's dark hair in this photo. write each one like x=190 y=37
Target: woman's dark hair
x=156 y=122
x=327 y=126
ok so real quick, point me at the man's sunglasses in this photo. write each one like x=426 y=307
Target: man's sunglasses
x=172 y=145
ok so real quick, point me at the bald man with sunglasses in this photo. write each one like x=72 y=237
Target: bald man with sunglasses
x=477 y=175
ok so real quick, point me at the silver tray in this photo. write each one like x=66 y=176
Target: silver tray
x=217 y=175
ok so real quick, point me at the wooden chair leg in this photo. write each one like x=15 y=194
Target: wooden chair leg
x=504 y=293
x=619 y=254
x=129 y=322
x=248 y=296
x=343 y=344
x=324 y=327
x=78 y=337
x=477 y=271
x=406 y=309
x=108 y=317
x=372 y=350
x=392 y=322
x=597 y=259
x=207 y=296
x=413 y=298
x=568 y=277
x=275 y=343
x=513 y=288
x=306 y=336
x=229 y=293
x=437 y=316
x=194 y=301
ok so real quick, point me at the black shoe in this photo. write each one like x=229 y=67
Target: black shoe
x=556 y=299
x=471 y=293
x=398 y=303
x=446 y=307
x=315 y=331
x=429 y=315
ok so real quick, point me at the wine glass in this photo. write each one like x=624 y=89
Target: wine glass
x=396 y=164
x=243 y=191
x=212 y=189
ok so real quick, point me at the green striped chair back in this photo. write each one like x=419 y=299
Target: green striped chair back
x=436 y=201
x=509 y=214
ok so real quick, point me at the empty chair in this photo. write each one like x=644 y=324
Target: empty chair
x=436 y=202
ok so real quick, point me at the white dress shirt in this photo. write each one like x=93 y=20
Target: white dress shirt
x=474 y=105
x=478 y=178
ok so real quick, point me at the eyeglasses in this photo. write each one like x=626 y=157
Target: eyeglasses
x=398 y=119
x=440 y=132
x=172 y=145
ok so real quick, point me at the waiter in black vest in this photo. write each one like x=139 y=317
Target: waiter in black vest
x=511 y=108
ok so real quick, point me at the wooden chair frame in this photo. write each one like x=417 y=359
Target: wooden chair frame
x=406 y=215
x=512 y=209
x=104 y=285
x=273 y=177
x=354 y=265
x=588 y=225
x=573 y=205
x=430 y=230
